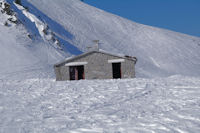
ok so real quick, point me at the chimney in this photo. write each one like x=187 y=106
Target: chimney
x=96 y=46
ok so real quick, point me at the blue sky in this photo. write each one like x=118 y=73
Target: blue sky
x=177 y=15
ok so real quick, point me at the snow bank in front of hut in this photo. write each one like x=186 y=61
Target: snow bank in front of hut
x=98 y=106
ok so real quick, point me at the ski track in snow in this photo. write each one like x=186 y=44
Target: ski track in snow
x=163 y=105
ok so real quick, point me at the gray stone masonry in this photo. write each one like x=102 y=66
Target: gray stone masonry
x=97 y=66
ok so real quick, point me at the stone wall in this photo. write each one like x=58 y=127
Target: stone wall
x=97 y=67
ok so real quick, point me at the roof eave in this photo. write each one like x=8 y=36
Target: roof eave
x=84 y=54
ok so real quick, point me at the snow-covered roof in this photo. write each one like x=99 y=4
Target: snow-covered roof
x=96 y=51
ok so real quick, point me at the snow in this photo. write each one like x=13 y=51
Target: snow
x=22 y=57
x=116 y=60
x=76 y=63
x=40 y=26
x=98 y=106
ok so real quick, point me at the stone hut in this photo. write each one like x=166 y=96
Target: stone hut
x=96 y=65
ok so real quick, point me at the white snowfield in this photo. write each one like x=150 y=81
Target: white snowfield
x=166 y=105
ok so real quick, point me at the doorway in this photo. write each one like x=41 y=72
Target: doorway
x=116 y=67
x=76 y=72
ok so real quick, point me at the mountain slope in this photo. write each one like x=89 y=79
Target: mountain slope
x=75 y=24
x=22 y=57
x=160 y=52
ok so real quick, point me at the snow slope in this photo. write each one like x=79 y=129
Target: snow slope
x=168 y=105
x=160 y=52
x=22 y=57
